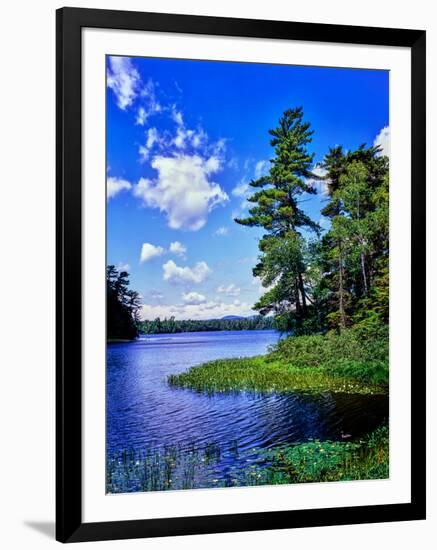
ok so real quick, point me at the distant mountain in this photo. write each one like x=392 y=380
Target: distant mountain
x=232 y=317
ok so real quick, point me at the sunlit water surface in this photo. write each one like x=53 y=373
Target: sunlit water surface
x=144 y=412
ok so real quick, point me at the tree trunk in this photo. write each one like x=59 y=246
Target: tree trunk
x=363 y=273
x=341 y=288
x=302 y=292
x=296 y=298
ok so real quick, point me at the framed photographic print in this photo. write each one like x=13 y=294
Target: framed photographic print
x=240 y=274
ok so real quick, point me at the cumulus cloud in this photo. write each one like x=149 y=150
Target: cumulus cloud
x=183 y=190
x=383 y=140
x=210 y=309
x=193 y=298
x=149 y=251
x=221 y=231
x=124 y=80
x=230 y=290
x=178 y=248
x=115 y=185
x=183 y=275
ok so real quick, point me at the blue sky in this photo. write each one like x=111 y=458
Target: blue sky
x=184 y=138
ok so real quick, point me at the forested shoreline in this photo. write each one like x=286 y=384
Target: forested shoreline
x=124 y=323
x=171 y=326
x=328 y=288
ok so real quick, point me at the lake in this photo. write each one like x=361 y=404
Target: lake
x=146 y=415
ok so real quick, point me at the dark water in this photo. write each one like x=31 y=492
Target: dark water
x=144 y=412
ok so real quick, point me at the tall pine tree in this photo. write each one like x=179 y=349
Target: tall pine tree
x=276 y=209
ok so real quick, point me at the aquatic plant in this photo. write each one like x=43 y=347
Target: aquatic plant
x=317 y=461
x=339 y=363
x=192 y=467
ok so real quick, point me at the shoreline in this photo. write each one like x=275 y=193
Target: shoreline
x=338 y=363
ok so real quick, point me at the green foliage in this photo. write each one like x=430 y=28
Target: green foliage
x=354 y=252
x=317 y=461
x=276 y=209
x=341 y=279
x=123 y=306
x=350 y=362
x=171 y=326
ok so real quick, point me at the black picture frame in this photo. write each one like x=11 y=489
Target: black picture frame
x=69 y=525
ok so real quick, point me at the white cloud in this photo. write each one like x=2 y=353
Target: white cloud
x=256 y=282
x=383 y=140
x=144 y=153
x=124 y=80
x=156 y=294
x=122 y=267
x=230 y=290
x=181 y=137
x=152 y=138
x=200 y=137
x=241 y=189
x=324 y=222
x=150 y=105
x=221 y=231
x=183 y=190
x=178 y=248
x=149 y=251
x=186 y=137
x=320 y=185
x=177 y=116
x=261 y=168
x=141 y=116
x=212 y=309
x=181 y=275
x=193 y=298
x=233 y=163
x=115 y=185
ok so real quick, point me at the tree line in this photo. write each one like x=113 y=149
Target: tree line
x=318 y=280
x=124 y=320
x=171 y=325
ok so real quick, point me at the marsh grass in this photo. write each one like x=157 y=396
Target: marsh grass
x=261 y=374
x=340 y=363
x=161 y=469
x=176 y=467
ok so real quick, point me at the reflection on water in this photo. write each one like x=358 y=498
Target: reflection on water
x=144 y=412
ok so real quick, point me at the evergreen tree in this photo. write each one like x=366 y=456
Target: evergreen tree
x=281 y=262
x=123 y=306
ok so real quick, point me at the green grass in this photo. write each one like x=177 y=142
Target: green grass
x=350 y=362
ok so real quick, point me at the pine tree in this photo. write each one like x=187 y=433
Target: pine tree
x=277 y=210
